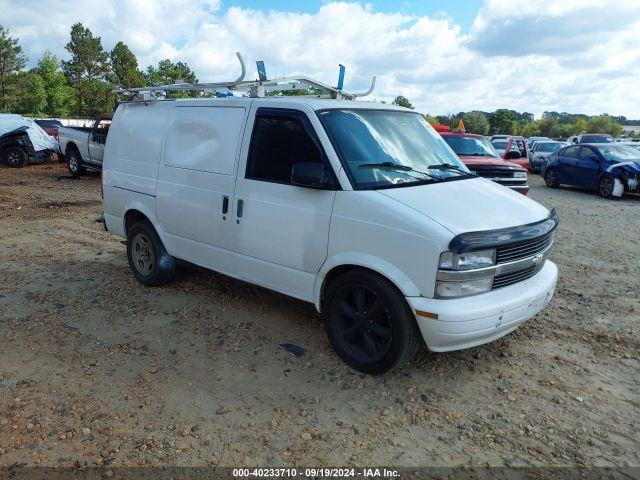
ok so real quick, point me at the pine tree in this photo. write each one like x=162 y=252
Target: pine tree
x=168 y=73
x=57 y=92
x=87 y=71
x=124 y=68
x=12 y=60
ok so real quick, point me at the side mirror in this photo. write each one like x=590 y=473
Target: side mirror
x=308 y=174
x=511 y=155
x=594 y=158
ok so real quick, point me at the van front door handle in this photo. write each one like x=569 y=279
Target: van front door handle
x=225 y=204
x=239 y=208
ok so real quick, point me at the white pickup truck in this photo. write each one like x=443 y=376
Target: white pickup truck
x=83 y=147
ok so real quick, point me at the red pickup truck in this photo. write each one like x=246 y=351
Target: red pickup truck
x=481 y=158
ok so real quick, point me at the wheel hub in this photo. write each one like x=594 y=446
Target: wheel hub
x=13 y=158
x=142 y=254
x=362 y=323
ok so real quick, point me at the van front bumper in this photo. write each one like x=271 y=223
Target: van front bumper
x=471 y=321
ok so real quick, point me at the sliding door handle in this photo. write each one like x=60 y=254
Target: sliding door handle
x=239 y=208
x=225 y=204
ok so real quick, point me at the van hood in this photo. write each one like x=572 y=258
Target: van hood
x=469 y=205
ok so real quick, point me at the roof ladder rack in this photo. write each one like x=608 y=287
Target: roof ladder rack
x=256 y=88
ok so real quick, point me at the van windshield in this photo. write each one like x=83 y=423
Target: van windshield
x=386 y=148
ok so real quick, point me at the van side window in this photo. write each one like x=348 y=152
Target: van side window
x=203 y=139
x=277 y=143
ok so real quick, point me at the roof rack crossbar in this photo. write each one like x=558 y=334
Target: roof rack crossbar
x=256 y=88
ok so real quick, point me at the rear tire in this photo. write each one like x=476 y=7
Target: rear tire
x=74 y=162
x=150 y=262
x=551 y=178
x=369 y=322
x=15 y=157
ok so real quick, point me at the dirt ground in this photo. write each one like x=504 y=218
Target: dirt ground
x=96 y=369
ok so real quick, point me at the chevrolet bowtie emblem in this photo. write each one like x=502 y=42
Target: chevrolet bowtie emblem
x=537 y=260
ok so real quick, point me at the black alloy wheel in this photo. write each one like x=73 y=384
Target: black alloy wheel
x=605 y=186
x=551 y=179
x=362 y=322
x=369 y=322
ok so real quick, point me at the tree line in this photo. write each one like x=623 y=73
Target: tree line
x=510 y=122
x=80 y=87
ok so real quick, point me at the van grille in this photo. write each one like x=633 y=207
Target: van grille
x=514 y=277
x=510 y=253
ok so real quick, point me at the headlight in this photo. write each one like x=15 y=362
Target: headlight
x=463 y=289
x=459 y=286
x=520 y=175
x=467 y=261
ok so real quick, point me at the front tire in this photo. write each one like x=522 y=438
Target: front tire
x=551 y=178
x=605 y=186
x=74 y=162
x=150 y=262
x=15 y=157
x=369 y=323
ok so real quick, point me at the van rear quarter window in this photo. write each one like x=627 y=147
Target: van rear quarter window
x=204 y=138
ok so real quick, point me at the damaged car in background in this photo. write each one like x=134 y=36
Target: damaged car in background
x=610 y=168
x=23 y=141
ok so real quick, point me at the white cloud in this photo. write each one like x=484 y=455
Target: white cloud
x=523 y=27
x=574 y=55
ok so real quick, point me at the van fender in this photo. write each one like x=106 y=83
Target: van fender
x=371 y=262
x=148 y=212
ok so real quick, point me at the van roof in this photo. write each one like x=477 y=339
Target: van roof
x=314 y=102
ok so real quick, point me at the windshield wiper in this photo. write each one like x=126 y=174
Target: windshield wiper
x=448 y=166
x=397 y=166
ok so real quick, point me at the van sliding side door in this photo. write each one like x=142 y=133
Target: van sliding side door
x=196 y=180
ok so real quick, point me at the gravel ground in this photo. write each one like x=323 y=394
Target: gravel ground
x=96 y=369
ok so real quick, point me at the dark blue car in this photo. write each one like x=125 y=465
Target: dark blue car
x=610 y=168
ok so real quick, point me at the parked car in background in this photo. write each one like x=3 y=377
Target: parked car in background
x=573 y=139
x=358 y=207
x=23 y=141
x=635 y=145
x=595 y=138
x=83 y=147
x=514 y=149
x=481 y=158
x=50 y=126
x=500 y=145
x=540 y=151
x=610 y=168
x=498 y=137
x=532 y=140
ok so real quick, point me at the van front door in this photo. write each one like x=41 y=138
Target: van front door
x=281 y=230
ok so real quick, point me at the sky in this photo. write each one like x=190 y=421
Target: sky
x=578 y=56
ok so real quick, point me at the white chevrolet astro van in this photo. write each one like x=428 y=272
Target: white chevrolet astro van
x=360 y=208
